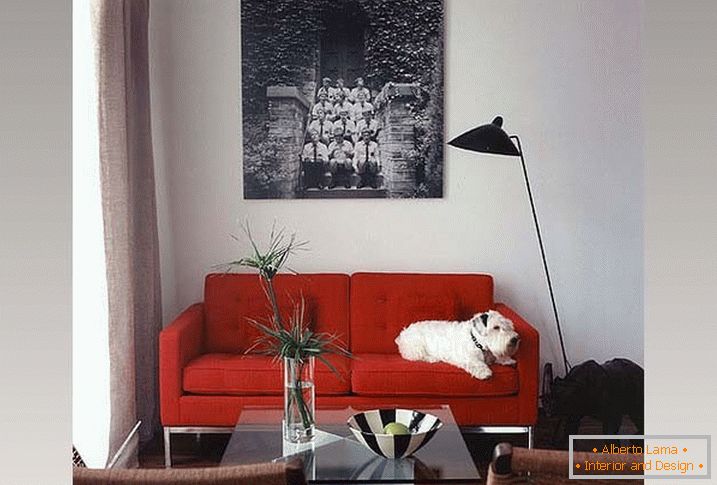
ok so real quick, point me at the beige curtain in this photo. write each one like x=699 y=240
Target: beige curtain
x=129 y=211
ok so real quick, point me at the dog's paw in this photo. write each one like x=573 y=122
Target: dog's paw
x=481 y=372
x=508 y=361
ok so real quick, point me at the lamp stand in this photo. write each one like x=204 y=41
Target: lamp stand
x=542 y=252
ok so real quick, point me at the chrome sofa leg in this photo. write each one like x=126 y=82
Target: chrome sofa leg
x=167 y=448
x=195 y=430
x=531 y=437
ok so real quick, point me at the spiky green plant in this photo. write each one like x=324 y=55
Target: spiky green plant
x=269 y=262
x=295 y=340
x=299 y=342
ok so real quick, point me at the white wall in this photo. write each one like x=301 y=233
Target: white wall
x=565 y=76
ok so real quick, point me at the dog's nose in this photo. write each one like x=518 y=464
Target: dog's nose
x=514 y=340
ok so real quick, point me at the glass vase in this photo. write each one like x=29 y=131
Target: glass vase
x=299 y=412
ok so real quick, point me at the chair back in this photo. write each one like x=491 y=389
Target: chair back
x=260 y=474
x=544 y=466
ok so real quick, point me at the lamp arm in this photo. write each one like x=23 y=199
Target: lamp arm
x=542 y=253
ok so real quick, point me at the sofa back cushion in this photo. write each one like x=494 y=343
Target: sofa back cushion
x=382 y=304
x=232 y=300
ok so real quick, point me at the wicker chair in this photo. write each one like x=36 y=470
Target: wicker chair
x=260 y=474
x=542 y=467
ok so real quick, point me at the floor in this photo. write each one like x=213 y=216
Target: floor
x=187 y=451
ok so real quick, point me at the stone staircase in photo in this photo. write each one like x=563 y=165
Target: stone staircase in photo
x=344 y=193
x=288 y=111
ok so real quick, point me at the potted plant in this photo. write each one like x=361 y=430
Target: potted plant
x=294 y=342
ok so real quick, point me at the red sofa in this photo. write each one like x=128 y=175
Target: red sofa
x=206 y=379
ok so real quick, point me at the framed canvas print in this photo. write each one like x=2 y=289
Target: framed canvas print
x=342 y=98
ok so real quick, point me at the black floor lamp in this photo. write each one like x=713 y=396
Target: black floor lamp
x=492 y=139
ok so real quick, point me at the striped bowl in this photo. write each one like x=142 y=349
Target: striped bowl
x=368 y=426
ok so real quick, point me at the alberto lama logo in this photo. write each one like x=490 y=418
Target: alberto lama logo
x=638 y=450
x=679 y=455
x=657 y=453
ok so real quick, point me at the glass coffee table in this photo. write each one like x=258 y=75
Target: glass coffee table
x=335 y=456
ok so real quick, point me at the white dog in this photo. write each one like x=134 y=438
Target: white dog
x=471 y=345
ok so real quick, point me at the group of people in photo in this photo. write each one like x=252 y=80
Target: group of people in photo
x=342 y=139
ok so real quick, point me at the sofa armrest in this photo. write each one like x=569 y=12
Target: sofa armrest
x=179 y=342
x=528 y=364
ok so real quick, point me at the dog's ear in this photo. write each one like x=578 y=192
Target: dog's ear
x=484 y=319
x=477 y=323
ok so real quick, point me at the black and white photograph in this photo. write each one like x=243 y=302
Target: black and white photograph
x=342 y=98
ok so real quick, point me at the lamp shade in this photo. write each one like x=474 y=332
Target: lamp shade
x=488 y=138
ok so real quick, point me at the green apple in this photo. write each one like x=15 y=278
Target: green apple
x=396 y=428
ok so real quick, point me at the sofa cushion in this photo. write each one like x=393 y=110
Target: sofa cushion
x=232 y=300
x=245 y=375
x=382 y=304
x=387 y=375
x=414 y=307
